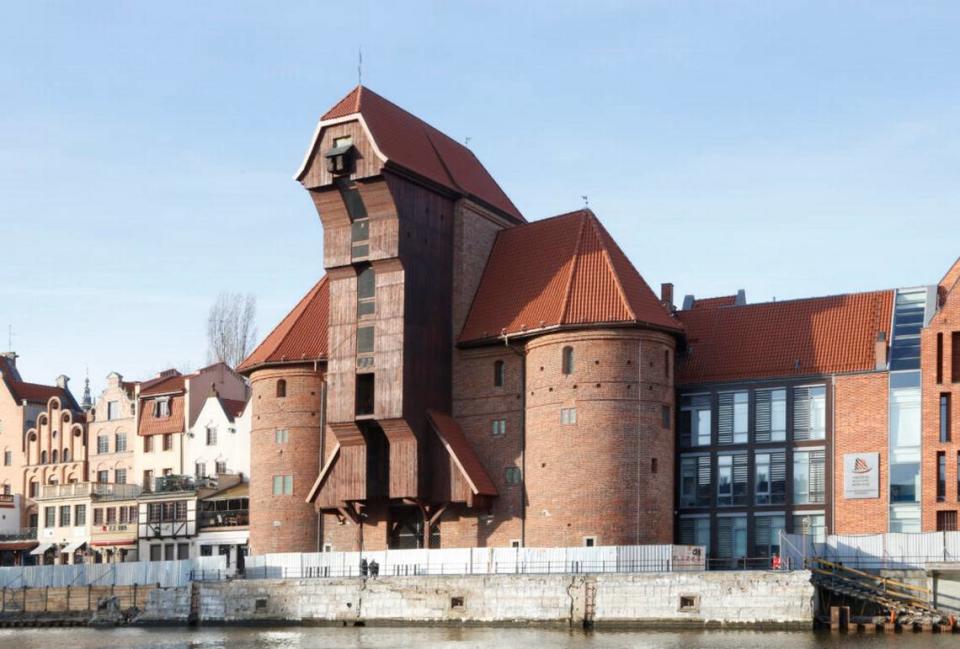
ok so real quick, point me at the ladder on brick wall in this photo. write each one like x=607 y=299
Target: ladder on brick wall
x=909 y=604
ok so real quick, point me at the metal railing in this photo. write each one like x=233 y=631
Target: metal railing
x=25 y=534
x=225 y=518
x=84 y=489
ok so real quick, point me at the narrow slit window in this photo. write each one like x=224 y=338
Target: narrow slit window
x=568 y=360
x=498 y=374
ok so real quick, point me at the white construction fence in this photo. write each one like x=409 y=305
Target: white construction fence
x=164 y=573
x=477 y=561
x=893 y=551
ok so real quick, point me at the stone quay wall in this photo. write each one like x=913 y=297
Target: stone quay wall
x=751 y=599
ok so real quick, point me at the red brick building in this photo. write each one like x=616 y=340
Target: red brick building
x=461 y=377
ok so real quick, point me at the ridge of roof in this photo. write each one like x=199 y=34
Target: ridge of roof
x=411 y=143
x=565 y=271
x=791 y=300
x=304 y=326
x=38 y=393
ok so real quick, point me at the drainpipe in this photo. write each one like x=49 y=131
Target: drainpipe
x=523 y=437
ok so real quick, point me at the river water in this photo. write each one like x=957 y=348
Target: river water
x=449 y=638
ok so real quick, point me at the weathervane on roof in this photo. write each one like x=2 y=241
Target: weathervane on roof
x=586 y=201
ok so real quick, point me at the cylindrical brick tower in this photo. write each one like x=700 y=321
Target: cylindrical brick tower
x=599 y=438
x=285 y=447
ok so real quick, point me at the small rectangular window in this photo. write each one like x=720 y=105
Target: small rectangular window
x=120 y=476
x=8 y=458
x=98 y=516
x=103 y=477
x=155 y=552
x=111 y=515
x=211 y=436
x=113 y=410
x=732 y=415
x=80 y=515
x=665 y=416
x=809 y=412
x=120 y=442
x=360 y=230
x=512 y=475
x=695 y=420
x=281 y=436
x=939 y=358
x=288 y=485
x=103 y=444
x=568 y=416
x=955 y=356
x=499 y=427
x=148 y=444
x=365 y=340
x=200 y=470
x=65 y=515
x=168 y=442
x=941 y=476
x=589 y=541
x=947 y=521
x=221 y=467
x=945 y=417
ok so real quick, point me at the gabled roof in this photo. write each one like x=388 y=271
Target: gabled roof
x=174 y=423
x=36 y=393
x=232 y=407
x=301 y=336
x=409 y=142
x=169 y=382
x=814 y=336
x=560 y=272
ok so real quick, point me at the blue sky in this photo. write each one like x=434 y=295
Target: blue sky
x=147 y=150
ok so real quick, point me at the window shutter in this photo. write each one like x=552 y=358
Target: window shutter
x=724 y=538
x=725 y=416
x=801 y=413
x=817 y=477
x=763 y=421
x=687 y=531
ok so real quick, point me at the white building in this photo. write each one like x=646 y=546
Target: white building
x=219 y=440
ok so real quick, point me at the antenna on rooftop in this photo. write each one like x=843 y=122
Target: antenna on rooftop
x=586 y=200
x=466 y=141
x=359 y=66
x=9 y=338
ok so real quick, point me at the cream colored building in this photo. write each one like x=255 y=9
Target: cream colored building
x=112 y=433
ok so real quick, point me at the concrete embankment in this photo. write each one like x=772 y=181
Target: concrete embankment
x=696 y=599
x=70 y=605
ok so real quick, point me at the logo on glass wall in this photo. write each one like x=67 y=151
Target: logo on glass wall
x=861 y=477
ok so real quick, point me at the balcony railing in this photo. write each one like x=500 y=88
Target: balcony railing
x=225 y=518
x=85 y=489
x=6 y=500
x=25 y=534
x=172 y=483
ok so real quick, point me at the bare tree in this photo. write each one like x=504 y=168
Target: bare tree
x=230 y=329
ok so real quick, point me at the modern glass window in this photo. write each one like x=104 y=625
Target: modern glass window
x=770 y=484
x=810 y=412
x=813 y=524
x=945 y=417
x=567 y=360
x=905 y=518
x=733 y=417
x=120 y=442
x=80 y=515
x=731 y=537
x=941 y=476
x=568 y=416
x=766 y=534
x=211 y=436
x=696 y=483
x=905 y=482
x=498 y=427
x=731 y=479
x=120 y=476
x=908 y=314
x=905 y=429
x=498 y=374
x=695 y=420
x=771 y=415
x=695 y=531
x=809 y=477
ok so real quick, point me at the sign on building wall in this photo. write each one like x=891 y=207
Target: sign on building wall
x=861 y=475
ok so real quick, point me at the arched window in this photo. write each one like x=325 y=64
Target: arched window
x=498 y=374
x=54 y=456
x=366 y=290
x=66 y=455
x=568 y=360
x=281 y=388
x=43 y=457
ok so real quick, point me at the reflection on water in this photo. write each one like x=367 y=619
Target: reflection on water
x=450 y=638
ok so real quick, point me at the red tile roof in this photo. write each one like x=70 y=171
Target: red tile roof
x=411 y=143
x=300 y=336
x=21 y=390
x=233 y=407
x=453 y=439
x=824 y=335
x=150 y=425
x=559 y=272
x=167 y=383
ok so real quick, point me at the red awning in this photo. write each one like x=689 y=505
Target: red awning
x=17 y=545
x=111 y=544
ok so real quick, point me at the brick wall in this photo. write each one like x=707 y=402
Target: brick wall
x=861 y=404
x=284 y=523
x=945 y=322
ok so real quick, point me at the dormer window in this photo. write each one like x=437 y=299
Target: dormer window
x=340 y=157
x=161 y=408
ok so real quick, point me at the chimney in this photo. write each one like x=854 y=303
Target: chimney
x=688 y=302
x=62 y=381
x=666 y=295
x=741 y=297
x=880 y=350
x=10 y=356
